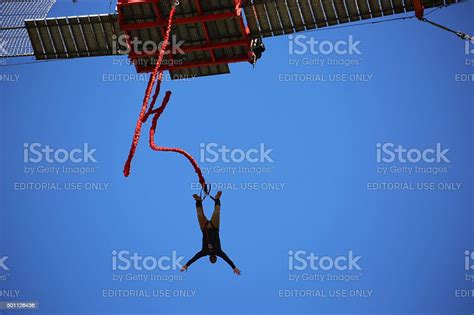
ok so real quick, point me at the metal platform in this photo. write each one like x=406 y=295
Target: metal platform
x=74 y=37
x=277 y=17
x=213 y=33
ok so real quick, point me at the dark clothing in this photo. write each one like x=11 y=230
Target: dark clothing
x=219 y=253
x=210 y=238
x=211 y=243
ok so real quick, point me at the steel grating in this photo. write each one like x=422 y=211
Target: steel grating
x=14 y=39
x=192 y=34
x=276 y=17
x=73 y=37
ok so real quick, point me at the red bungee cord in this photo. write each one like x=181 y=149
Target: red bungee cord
x=144 y=114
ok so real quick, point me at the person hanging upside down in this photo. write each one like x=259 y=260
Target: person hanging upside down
x=211 y=243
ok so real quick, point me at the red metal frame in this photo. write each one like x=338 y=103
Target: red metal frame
x=199 y=18
x=419 y=9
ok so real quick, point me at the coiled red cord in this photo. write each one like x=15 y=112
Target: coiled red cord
x=144 y=114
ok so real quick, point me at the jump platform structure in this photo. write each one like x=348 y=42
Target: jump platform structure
x=213 y=33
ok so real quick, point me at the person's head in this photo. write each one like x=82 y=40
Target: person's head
x=212 y=259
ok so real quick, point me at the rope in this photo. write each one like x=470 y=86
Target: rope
x=144 y=114
x=419 y=13
x=155 y=147
x=459 y=34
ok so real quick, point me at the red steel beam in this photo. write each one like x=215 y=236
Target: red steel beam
x=186 y=20
x=206 y=30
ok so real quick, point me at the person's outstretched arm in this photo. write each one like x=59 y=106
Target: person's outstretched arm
x=226 y=258
x=198 y=255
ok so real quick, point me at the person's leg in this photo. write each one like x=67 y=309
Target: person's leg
x=200 y=214
x=216 y=215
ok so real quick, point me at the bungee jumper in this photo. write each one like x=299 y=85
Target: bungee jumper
x=211 y=243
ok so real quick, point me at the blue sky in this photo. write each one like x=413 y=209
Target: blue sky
x=315 y=196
